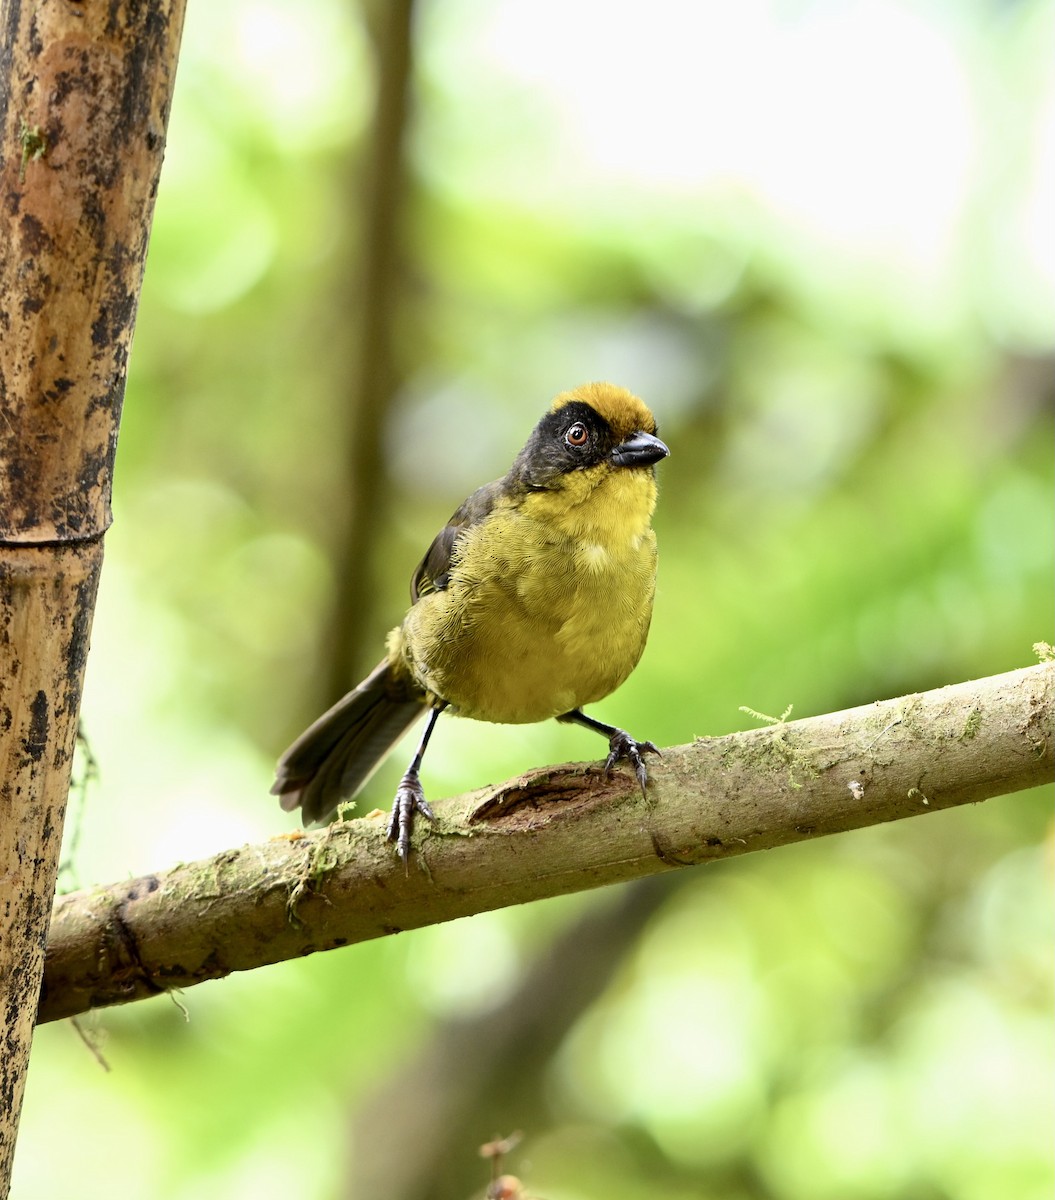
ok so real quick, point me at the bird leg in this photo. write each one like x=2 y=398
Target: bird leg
x=410 y=796
x=620 y=744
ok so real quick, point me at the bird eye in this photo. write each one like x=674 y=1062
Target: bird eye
x=577 y=435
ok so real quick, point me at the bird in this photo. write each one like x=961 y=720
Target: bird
x=533 y=601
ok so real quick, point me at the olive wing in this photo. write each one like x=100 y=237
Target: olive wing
x=433 y=571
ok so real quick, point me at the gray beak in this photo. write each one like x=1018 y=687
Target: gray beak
x=639 y=450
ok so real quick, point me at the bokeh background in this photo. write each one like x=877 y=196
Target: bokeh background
x=817 y=237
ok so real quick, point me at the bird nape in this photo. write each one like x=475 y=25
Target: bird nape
x=533 y=601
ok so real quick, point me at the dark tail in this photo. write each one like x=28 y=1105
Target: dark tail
x=333 y=758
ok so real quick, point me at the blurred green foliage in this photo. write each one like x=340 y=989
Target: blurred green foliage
x=810 y=237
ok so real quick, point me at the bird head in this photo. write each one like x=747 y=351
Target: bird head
x=595 y=429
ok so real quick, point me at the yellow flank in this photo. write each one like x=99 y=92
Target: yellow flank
x=549 y=599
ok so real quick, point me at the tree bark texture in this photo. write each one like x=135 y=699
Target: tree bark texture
x=84 y=100
x=553 y=831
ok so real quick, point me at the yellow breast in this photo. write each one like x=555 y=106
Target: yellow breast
x=548 y=603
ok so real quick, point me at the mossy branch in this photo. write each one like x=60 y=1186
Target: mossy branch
x=553 y=831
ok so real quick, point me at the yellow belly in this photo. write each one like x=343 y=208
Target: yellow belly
x=534 y=621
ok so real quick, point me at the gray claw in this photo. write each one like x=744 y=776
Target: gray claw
x=622 y=745
x=410 y=799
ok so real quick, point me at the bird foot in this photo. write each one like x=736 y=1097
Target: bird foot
x=622 y=745
x=410 y=799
